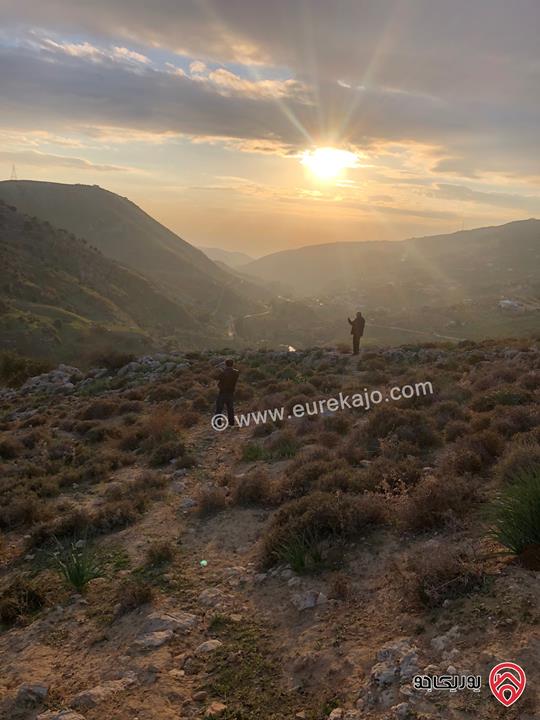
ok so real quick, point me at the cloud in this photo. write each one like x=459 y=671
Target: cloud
x=529 y=203
x=227 y=83
x=36 y=158
x=197 y=67
x=461 y=76
x=89 y=51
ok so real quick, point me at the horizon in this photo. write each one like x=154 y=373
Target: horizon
x=255 y=129
x=254 y=256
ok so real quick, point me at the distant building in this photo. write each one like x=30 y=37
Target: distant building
x=511 y=305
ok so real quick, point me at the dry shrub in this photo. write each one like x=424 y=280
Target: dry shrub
x=168 y=391
x=162 y=425
x=392 y=475
x=263 y=430
x=487 y=444
x=435 y=502
x=431 y=577
x=516 y=420
x=505 y=395
x=160 y=552
x=9 y=448
x=21 y=597
x=281 y=445
x=340 y=586
x=112 y=359
x=531 y=381
x=133 y=593
x=189 y=418
x=210 y=501
x=316 y=517
x=448 y=411
x=455 y=429
x=21 y=510
x=130 y=406
x=517 y=459
x=337 y=424
x=410 y=426
x=254 y=488
x=166 y=452
x=98 y=410
x=303 y=476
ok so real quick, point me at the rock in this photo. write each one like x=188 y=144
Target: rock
x=401 y=711
x=154 y=639
x=188 y=503
x=177 y=674
x=60 y=715
x=308 y=599
x=215 y=709
x=178 y=621
x=441 y=642
x=96 y=695
x=32 y=694
x=336 y=714
x=211 y=597
x=208 y=647
x=383 y=673
x=200 y=696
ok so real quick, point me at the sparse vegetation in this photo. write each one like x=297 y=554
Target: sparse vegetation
x=515 y=515
x=77 y=563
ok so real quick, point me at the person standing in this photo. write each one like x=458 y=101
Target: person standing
x=357 y=330
x=227 y=380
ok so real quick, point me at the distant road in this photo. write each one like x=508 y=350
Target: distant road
x=417 y=332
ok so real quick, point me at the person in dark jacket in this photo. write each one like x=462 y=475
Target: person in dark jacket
x=357 y=330
x=227 y=383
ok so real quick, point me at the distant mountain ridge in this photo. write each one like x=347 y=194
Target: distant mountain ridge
x=231 y=258
x=128 y=235
x=470 y=262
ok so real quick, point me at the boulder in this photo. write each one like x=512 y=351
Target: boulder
x=308 y=599
x=32 y=694
x=208 y=647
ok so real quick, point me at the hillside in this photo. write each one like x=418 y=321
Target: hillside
x=60 y=297
x=302 y=569
x=446 y=268
x=231 y=258
x=125 y=233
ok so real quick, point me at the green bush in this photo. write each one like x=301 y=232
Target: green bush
x=515 y=513
x=16 y=369
x=77 y=564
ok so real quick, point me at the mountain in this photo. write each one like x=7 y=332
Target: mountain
x=229 y=258
x=450 y=267
x=60 y=297
x=125 y=233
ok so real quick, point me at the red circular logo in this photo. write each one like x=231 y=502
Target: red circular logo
x=507 y=682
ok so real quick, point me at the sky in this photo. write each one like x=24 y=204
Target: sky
x=206 y=113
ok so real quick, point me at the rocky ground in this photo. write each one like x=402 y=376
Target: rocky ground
x=203 y=603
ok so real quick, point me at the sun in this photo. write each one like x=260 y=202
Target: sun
x=328 y=163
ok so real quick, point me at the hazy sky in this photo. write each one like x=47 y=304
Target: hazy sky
x=200 y=111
